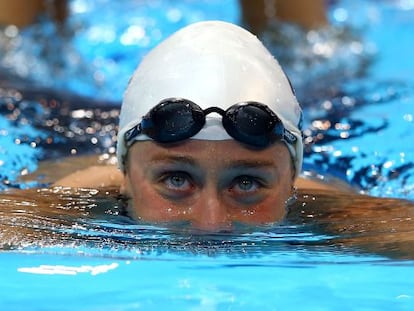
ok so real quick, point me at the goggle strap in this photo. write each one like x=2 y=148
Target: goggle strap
x=132 y=133
x=289 y=137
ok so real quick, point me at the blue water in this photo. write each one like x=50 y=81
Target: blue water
x=200 y=283
x=358 y=77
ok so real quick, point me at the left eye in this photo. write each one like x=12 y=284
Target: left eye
x=177 y=181
x=245 y=184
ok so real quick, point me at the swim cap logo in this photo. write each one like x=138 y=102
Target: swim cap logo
x=133 y=132
x=291 y=138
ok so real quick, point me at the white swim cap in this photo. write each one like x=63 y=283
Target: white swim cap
x=211 y=63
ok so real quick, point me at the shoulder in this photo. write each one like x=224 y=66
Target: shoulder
x=81 y=172
x=323 y=183
x=97 y=176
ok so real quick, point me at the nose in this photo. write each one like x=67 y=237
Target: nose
x=211 y=214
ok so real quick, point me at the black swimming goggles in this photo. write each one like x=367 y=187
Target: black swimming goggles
x=177 y=119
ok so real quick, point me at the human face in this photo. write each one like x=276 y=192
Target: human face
x=211 y=184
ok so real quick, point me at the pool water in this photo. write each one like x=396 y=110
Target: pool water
x=65 y=249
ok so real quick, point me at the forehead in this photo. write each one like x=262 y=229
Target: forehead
x=212 y=152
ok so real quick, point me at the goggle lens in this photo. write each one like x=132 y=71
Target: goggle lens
x=173 y=121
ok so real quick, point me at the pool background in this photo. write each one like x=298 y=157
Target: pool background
x=367 y=141
x=357 y=94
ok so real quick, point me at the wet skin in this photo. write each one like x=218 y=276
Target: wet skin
x=211 y=184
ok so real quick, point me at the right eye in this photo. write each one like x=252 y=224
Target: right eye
x=177 y=182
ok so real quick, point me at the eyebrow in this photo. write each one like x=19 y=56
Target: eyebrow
x=243 y=164
x=237 y=164
x=174 y=158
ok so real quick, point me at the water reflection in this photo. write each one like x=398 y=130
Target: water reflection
x=90 y=221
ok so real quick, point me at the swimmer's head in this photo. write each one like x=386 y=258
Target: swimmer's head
x=211 y=64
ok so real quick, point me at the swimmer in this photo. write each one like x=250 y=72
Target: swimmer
x=22 y=13
x=209 y=133
x=257 y=14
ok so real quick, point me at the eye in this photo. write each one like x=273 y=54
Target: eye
x=245 y=185
x=177 y=181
